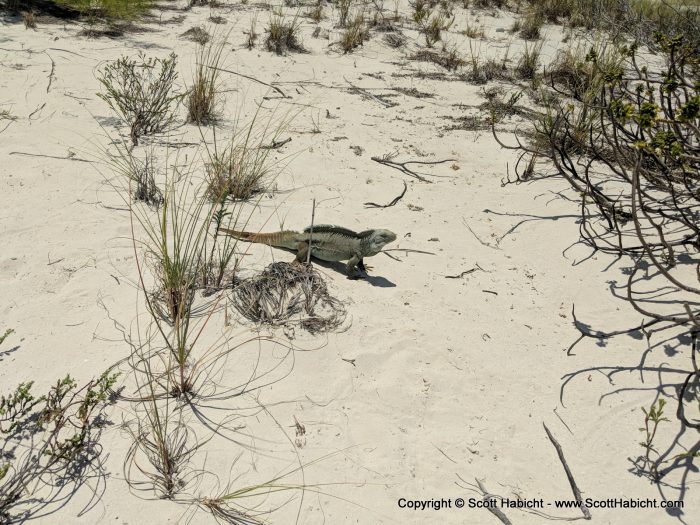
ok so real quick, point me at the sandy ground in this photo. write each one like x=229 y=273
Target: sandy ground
x=435 y=381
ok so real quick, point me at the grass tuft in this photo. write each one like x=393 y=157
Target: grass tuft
x=202 y=98
x=282 y=34
x=355 y=35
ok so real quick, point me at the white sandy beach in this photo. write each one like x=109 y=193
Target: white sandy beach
x=434 y=381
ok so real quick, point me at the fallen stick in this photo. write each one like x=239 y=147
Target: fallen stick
x=465 y=272
x=493 y=509
x=569 y=475
x=76 y=159
x=368 y=94
x=483 y=243
x=311 y=231
x=277 y=144
x=53 y=69
x=392 y=203
x=407 y=250
x=251 y=78
x=36 y=110
x=402 y=166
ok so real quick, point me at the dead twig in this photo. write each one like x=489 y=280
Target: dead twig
x=407 y=250
x=51 y=74
x=368 y=94
x=569 y=475
x=392 y=203
x=277 y=144
x=36 y=111
x=251 y=78
x=492 y=508
x=483 y=243
x=67 y=157
x=387 y=160
x=465 y=272
x=311 y=232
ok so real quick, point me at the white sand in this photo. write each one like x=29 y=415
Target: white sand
x=434 y=380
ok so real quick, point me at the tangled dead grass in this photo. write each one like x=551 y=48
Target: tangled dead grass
x=289 y=294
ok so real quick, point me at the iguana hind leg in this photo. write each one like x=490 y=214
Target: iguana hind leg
x=302 y=252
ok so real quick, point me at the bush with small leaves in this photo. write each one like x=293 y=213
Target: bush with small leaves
x=140 y=91
x=57 y=434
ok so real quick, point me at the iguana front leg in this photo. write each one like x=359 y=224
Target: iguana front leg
x=352 y=264
x=365 y=268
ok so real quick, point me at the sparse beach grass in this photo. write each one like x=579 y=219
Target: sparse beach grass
x=594 y=111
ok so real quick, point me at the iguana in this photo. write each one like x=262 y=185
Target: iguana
x=328 y=243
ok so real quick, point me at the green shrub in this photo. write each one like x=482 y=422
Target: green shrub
x=140 y=91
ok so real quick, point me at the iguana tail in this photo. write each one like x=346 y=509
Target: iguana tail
x=283 y=239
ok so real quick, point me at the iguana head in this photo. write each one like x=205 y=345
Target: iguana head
x=380 y=238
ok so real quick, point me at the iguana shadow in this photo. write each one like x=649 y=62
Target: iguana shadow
x=374 y=280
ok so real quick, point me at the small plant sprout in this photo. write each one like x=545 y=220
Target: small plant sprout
x=652 y=418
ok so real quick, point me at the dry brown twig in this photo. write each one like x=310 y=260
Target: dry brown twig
x=465 y=272
x=51 y=74
x=392 y=203
x=493 y=509
x=276 y=144
x=366 y=93
x=387 y=160
x=278 y=90
x=569 y=475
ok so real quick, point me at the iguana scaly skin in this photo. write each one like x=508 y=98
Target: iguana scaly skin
x=328 y=243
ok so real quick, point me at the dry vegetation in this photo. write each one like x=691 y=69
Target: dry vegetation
x=622 y=134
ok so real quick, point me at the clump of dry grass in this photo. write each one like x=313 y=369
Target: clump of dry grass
x=472 y=30
x=252 y=34
x=529 y=61
x=283 y=35
x=203 y=95
x=580 y=68
x=143 y=175
x=290 y=295
x=246 y=165
x=6 y=115
x=433 y=26
x=395 y=40
x=448 y=57
x=315 y=13
x=480 y=71
x=355 y=34
x=530 y=26
x=343 y=7
x=29 y=19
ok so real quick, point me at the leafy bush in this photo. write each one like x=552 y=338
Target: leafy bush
x=140 y=91
x=56 y=434
x=628 y=148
